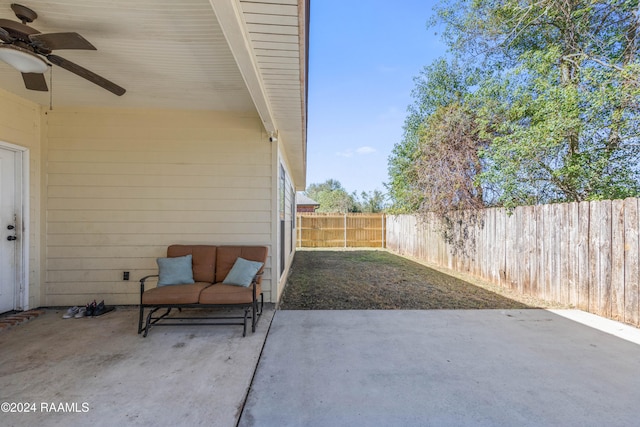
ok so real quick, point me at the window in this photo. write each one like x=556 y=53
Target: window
x=293 y=219
x=281 y=196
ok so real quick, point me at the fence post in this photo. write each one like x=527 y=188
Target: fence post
x=345 y=230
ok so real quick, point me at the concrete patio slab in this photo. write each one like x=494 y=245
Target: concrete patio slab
x=100 y=372
x=442 y=368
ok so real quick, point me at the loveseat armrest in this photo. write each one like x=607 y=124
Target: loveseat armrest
x=254 y=285
x=256 y=277
x=144 y=279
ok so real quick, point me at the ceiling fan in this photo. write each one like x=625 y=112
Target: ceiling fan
x=26 y=48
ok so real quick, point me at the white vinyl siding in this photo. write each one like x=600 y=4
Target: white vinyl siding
x=122 y=185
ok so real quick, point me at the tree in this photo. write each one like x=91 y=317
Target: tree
x=371 y=202
x=438 y=85
x=555 y=95
x=561 y=106
x=332 y=197
x=449 y=165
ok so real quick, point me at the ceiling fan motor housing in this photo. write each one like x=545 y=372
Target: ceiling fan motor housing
x=24 y=13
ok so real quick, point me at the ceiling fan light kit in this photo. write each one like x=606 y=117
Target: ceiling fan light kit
x=22 y=59
x=25 y=49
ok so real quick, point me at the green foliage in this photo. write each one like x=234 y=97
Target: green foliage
x=439 y=84
x=555 y=91
x=371 y=202
x=332 y=197
x=402 y=185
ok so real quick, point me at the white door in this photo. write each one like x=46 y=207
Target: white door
x=8 y=231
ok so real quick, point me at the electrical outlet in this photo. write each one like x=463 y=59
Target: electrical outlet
x=125 y=275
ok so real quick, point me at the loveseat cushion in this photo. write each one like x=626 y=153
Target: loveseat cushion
x=175 y=270
x=242 y=272
x=220 y=293
x=204 y=259
x=177 y=294
x=226 y=257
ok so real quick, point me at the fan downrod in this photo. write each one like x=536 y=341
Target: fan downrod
x=24 y=13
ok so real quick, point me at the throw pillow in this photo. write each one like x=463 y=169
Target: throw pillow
x=175 y=271
x=242 y=272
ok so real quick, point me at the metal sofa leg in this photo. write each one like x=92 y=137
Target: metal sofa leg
x=244 y=327
x=148 y=324
x=253 y=316
x=257 y=312
x=140 y=319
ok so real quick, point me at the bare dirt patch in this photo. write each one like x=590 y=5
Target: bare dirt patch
x=380 y=280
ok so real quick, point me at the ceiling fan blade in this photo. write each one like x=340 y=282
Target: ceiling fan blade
x=17 y=27
x=5 y=36
x=86 y=74
x=35 y=81
x=53 y=41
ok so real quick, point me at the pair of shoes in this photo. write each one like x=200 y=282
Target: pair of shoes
x=90 y=309
x=71 y=312
x=96 y=309
x=81 y=313
x=102 y=309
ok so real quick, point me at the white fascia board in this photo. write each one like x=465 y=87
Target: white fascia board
x=230 y=18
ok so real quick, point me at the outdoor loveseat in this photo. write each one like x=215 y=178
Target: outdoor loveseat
x=205 y=276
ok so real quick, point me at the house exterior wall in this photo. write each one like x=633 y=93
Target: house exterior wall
x=121 y=185
x=20 y=126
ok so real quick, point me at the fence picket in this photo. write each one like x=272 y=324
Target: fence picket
x=540 y=267
x=617 y=259
x=604 y=279
x=565 y=254
x=549 y=232
x=631 y=261
x=573 y=254
x=585 y=281
x=524 y=249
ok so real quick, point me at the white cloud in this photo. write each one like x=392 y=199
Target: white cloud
x=366 y=150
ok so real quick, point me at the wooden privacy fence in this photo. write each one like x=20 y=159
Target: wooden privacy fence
x=582 y=254
x=331 y=230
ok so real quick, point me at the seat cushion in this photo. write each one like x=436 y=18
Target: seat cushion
x=220 y=293
x=226 y=257
x=177 y=294
x=203 y=259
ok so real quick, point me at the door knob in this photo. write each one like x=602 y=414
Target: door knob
x=12 y=238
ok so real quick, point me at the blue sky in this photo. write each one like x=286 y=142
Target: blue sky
x=363 y=57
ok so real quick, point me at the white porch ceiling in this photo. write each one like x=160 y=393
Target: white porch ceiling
x=179 y=54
